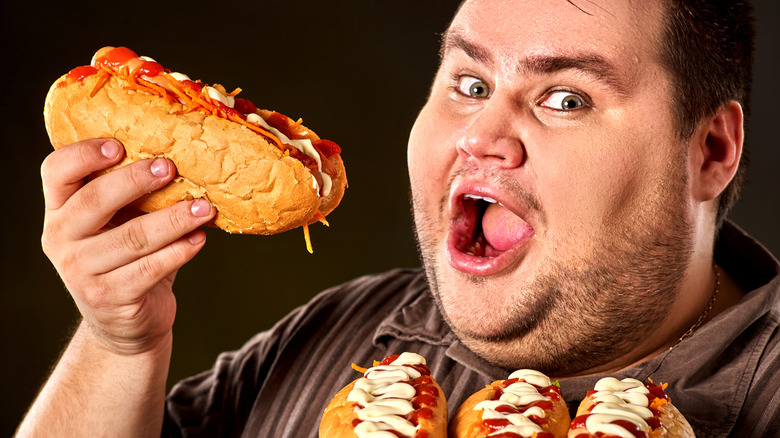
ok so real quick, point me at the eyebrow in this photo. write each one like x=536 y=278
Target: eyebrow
x=591 y=64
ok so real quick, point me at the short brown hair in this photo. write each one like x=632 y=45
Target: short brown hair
x=707 y=48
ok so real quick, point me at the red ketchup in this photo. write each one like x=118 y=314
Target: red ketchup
x=245 y=106
x=150 y=69
x=633 y=429
x=495 y=425
x=426 y=392
x=77 y=74
x=115 y=57
x=326 y=147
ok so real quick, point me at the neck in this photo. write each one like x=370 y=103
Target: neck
x=692 y=304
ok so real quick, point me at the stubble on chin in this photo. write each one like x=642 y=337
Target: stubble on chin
x=579 y=314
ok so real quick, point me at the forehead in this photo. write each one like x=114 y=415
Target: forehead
x=620 y=30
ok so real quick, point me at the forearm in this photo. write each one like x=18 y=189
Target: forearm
x=96 y=392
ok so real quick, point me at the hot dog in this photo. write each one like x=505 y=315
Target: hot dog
x=527 y=404
x=264 y=172
x=628 y=408
x=396 y=397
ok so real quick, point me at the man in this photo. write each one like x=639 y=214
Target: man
x=570 y=173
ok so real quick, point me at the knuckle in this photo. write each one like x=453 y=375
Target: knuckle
x=95 y=296
x=139 y=176
x=47 y=170
x=89 y=198
x=149 y=268
x=48 y=238
x=178 y=218
x=71 y=264
x=134 y=237
x=177 y=255
x=136 y=177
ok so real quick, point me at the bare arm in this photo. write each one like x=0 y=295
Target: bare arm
x=111 y=379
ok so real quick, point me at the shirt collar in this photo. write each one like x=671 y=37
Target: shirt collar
x=418 y=319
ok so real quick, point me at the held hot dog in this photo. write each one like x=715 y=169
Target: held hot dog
x=396 y=398
x=628 y=408
x=525 y=405
x=263 y=172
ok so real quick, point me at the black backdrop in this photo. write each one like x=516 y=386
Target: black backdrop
x=357 y=72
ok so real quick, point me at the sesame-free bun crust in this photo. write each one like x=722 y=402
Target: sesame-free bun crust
x=467 y=421
x=253 y=186
x=673 y=423
x=339 y=414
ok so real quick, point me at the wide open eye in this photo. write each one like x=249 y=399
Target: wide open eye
x=564 y=101
x=473 y=87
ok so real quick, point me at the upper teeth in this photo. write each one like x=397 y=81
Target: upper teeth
x=484 y=198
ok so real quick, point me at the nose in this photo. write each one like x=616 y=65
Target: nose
x=492 y=139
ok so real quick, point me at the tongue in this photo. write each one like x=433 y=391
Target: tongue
x=502 y=228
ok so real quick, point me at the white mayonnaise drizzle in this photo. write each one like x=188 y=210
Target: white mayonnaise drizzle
x=516 y=395
x=619 y=400
x=303 y=145
x=384 y=397
x=228 y=101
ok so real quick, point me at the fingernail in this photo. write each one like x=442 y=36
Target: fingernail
x=196 y=237
x=109 y=149
x=160 y=167
x=200 y=208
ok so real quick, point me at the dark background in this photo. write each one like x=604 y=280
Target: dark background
x=356 y=71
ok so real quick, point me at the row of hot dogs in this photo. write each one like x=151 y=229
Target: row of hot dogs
x=398 y=397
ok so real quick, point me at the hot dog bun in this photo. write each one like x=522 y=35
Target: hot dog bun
x=256 y=186
x=526 y=404
x=396 y=396
x=616 y=407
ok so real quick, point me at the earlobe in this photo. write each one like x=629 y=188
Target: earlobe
x=716 y=151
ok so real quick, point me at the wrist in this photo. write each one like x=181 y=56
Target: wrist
x=150 y=345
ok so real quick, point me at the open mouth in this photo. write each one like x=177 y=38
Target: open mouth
x=471 y=239
x=484 y=234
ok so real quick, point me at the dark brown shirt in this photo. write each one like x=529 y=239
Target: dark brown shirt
x=725 y=378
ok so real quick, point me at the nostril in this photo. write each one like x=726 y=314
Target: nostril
x=503 y=152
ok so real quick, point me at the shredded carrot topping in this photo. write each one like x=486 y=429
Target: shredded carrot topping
x=658 y=403
x=190 y=99
x=102 y=78
x=318 y=216
x=358 y=368
x=308 y=239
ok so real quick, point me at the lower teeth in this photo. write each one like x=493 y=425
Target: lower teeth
x=476 y=249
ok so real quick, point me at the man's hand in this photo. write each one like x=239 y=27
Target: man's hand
x=120 y=277
x=111 y=379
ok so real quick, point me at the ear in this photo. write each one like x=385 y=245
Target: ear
x=716 y=148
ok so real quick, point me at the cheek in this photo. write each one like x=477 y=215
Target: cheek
x=595 y=182
x=428 y=154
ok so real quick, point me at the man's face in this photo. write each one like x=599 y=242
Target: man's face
x=549 y=187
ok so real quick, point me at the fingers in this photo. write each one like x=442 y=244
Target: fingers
x=64 y=170
x=120 y=277
x=147 y=234
x=99 y=200
x=143 y=274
